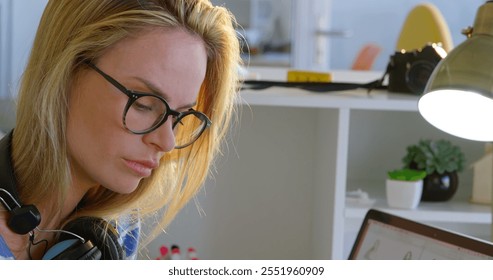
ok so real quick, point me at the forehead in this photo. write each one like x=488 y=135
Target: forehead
x=172 y=59
x=157 y=46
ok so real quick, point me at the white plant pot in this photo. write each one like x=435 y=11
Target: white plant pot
x=404 y=194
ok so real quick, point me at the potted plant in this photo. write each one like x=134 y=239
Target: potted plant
x=441 y=160
x=404 y=188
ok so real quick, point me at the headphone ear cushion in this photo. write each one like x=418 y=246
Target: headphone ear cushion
x=24 y=219
x=102 y=234
x=73 y=249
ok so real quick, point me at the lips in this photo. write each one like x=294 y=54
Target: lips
x=141 y=168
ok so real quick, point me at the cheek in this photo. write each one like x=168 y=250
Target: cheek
x=94 y=113
x=94 y=133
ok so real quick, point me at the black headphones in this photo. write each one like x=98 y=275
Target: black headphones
x=85 y=238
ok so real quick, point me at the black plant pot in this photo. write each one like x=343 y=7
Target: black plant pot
x=440 y=187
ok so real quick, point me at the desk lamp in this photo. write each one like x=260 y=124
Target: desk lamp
x=458 y=98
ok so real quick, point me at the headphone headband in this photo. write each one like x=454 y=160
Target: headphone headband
x=23 y=218
x=7 y=178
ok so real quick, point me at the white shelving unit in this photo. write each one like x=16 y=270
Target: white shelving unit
x=336 y=120
x=279 y=189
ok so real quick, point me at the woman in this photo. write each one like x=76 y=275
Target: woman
x=120 y=113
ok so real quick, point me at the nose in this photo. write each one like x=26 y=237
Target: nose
x=162 y=138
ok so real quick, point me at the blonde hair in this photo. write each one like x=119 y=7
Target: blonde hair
x=72 y=32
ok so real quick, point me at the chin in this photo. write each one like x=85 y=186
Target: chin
x=126 y=191
x=125 y=187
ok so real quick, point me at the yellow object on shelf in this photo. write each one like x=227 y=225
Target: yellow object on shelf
x=308 y=76
x=424 y=24
x=482 y=182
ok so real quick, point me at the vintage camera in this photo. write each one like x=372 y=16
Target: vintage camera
x=409 y=71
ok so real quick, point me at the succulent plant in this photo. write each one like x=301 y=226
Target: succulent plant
x=406 y=174
x=438 y=156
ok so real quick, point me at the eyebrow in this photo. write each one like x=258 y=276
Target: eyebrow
x=156 y=91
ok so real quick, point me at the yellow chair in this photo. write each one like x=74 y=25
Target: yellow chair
x=424 y=24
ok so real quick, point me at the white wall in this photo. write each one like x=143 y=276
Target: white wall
x=380 y=21
x=255 y=211
x=19 y=23
x=26 y=15
x=5 y=45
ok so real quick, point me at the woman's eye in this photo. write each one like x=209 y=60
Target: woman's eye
x=149 y=104
x=141 y=106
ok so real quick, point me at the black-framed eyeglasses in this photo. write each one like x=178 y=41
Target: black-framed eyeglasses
x=145 y=112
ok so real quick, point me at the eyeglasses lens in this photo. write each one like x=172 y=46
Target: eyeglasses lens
x=188 y=128
x=146 y=113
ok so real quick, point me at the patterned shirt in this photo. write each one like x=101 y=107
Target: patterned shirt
x=5 y=253
x=128 y=231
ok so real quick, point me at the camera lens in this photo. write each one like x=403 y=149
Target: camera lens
x=418 y=74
